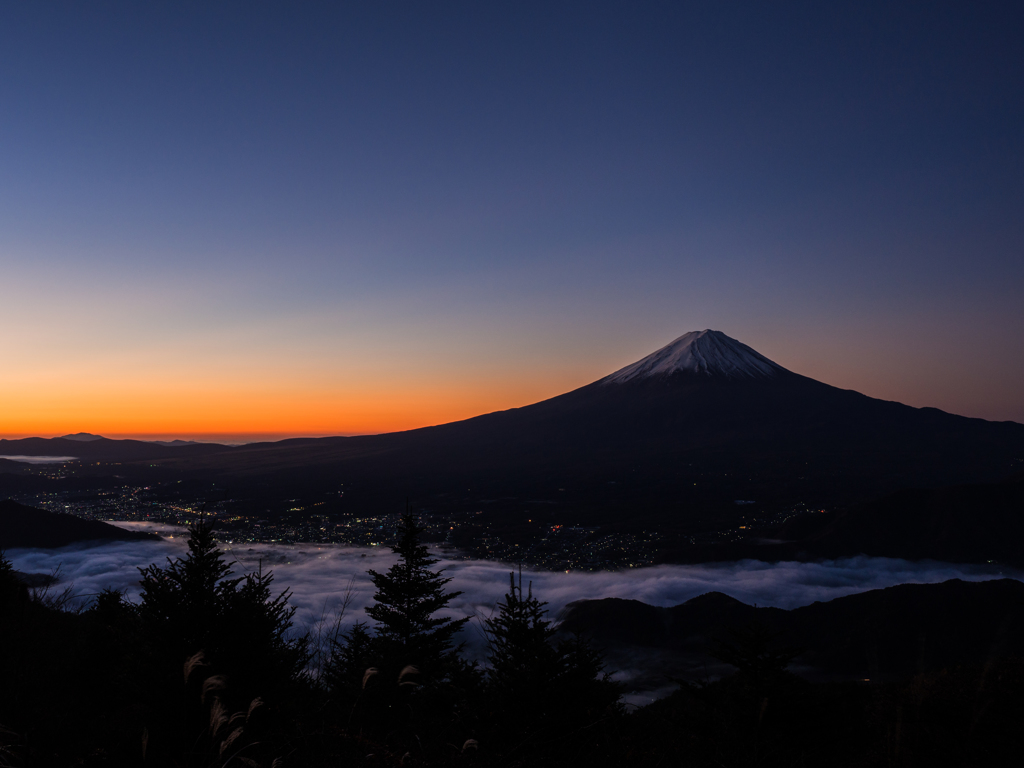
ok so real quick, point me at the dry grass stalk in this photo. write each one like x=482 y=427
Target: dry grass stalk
x=256 y=704
x=195 y=662
x=407 y=670
x=218 y=717
x=234 y=736
x=367 y=675
x=324 y=632
x=213 y=686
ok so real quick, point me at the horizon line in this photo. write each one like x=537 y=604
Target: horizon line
x=222 y=438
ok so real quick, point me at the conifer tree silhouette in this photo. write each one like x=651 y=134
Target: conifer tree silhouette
x=537 y=683
x=408 y=596
x=520 y=640
x=196 y=604
x=352 y=653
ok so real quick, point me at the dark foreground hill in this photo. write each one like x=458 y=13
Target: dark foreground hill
x=22 y=526
x=885 y=634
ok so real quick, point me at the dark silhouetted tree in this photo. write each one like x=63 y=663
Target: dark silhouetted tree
x=195 y=603
x=408 y=597
x=352 y=653
x=13 y=594
x=537 y=686
x=522 y=656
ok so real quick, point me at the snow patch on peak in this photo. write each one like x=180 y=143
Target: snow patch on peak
x=707 y=352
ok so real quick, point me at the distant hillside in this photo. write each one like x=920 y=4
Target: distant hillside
x=967 y=524
x=960 y=524
x=882 y=634
x=92 y=447
x=8 y=467
x=22 y=527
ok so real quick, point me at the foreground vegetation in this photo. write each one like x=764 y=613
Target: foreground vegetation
x=205 y=670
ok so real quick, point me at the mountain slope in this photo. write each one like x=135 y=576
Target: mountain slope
x=700 y=422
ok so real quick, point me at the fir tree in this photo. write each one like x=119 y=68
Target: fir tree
x=195 y=603
x=536 y=685
x=520 y=640
x=351 y=655
x=407 y=598
x=185 y=602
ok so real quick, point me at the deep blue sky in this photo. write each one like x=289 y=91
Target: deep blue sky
x=307 y=218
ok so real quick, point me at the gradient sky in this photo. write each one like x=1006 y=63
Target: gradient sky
x=261 y=219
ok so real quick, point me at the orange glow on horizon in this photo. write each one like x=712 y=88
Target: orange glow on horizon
x=253 y=414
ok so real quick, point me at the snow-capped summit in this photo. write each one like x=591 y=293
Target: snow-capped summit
x=707 y=352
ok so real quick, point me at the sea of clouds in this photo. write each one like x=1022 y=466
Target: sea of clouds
x=324 y=578
x=320 y=576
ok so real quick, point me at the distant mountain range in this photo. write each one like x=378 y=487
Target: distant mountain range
x=882 y=634
x=86 y=437
x=680 y=434
x=88 y=447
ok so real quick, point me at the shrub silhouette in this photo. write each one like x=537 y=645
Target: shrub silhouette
x=13 y=594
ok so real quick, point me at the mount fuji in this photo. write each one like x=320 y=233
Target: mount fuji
x=707 y=353
x=682 y=433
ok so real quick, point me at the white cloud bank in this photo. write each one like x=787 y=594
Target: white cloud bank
x=320 y=575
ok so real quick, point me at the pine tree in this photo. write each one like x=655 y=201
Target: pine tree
x=351 y=655
x=185 y=602
x=407 y=598
x=535 y=684
x=195 y=603
x=522 y=657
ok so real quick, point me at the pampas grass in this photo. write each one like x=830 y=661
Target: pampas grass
x=7 y=756
x=368 y=675
x=228 y=733
x=195 y=663
x=213 y=687
x=406 y=671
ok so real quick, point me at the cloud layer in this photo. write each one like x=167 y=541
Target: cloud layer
x=320 y=575
x=320 y=578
